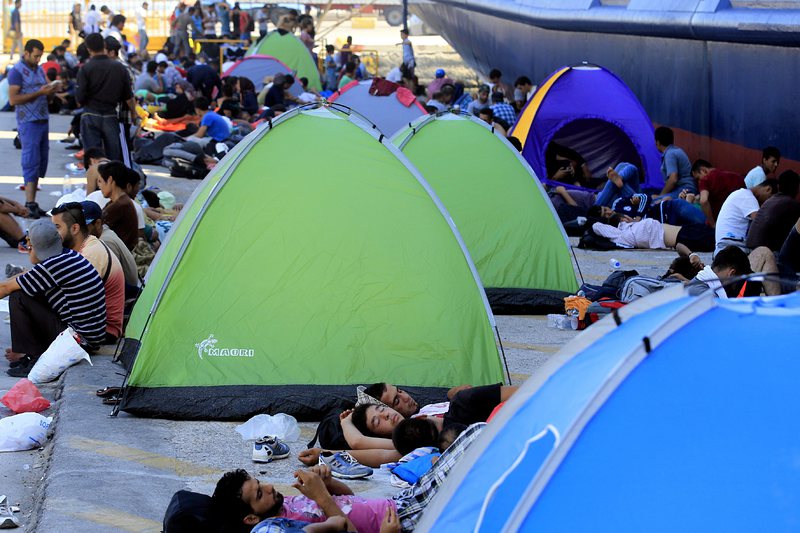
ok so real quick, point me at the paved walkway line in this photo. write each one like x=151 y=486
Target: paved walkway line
x=531 y=347
x=104 y=516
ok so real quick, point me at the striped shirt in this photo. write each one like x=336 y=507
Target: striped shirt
x=74 y=290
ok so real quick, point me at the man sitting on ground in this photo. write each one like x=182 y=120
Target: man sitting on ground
x=715 y=186
x=777 y=215
x=770 y=159
x=242 y=503
x=212 y=126
x=487 y=115
x=94 y=221
x=62 y=289
x=675 y=166
x=71 y=224
x=738 y=211
x=728 y=263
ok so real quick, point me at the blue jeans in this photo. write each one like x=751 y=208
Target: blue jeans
x=143 y=40
x=680 y=212
x=101 y=131
x=35 y=149
x=611 y=192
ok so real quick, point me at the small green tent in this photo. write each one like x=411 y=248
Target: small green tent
x=507 y=221
x=291 y=50
x=292 y=276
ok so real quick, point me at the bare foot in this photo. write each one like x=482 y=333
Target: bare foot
x=615 y=178
x=13 y=356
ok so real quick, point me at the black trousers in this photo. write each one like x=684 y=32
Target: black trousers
x=34 y=324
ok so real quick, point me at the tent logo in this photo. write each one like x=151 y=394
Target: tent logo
x=207 y=347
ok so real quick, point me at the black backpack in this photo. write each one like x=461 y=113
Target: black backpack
x=188 y=512
x=329 y=433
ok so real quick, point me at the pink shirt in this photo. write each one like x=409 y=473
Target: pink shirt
x=366 y=514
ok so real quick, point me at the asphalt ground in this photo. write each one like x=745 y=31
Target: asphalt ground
x=98 y=473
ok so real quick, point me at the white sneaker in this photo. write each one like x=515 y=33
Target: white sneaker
x=268 y=449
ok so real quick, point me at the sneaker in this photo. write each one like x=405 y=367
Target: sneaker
x=24 y=360
x=269 y=448
x=343 y=466
x=22 y=369
x=7 y=518
x=34 y=211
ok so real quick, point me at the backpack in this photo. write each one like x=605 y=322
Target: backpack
x=637 y=287
x=188 y=512
x=593 y=241
x=329 y=433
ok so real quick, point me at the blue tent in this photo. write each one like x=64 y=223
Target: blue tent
x=590 y=110
x=684 y=417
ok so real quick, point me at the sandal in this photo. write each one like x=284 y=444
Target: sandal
x=108 y=392
x=112 y=400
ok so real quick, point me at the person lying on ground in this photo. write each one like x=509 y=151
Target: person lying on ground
x=653 y=235
x=715 y=186
x=777 y=215
x=684 y=268
x=729 y=263
x=62 y=289
x=667 y=210
x=242 y=503
x=71 y=224
x=623 y=182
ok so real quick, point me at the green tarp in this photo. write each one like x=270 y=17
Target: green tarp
x=292 y=52
x=312 y=259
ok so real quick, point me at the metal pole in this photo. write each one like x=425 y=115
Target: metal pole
x=405 y=14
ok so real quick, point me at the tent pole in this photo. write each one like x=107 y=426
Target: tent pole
x=503 y=355
x=405 y=14
x=572 y=249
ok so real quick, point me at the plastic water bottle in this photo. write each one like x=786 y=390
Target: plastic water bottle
x=615 y=264
x=66 y=186
x=552 y=321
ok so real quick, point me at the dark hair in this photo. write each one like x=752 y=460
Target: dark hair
x=376 y=390
x=151 y=197
x=404 y=30
x=95 y=42
x=431 y=110
x=330 y=48
x=486 y=111
x=450 y=434
x=522 y=80
x=201 y=102
x=594 y=211
x=732 y=257
x=33 y=44
x=360 y=419
x=75 y=211
x=789 y=183
x=498 y=97
x=304 y=82
x=414 y=433
x=227 y=507
x=772 y=183
x=246 y=85
x=700 y=163
x=112 y=45
x=495 y=73
x=59 y=49
x=682 y=265
x=515 y=143
x=289 y=79
x=152 y=67
x=51 y=74
x=117 y=19
x=665 y=136
x=94 y=152
x=614 y=220
x=350 y=66
x=117 y=171
x=771 y=151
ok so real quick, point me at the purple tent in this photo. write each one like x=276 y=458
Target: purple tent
x=388 y=113
x=257 y=67
x=590 y=110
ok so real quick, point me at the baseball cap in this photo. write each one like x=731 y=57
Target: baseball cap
x=45 y=240
x=440 y=73
x=161 y=57
x=91 y=211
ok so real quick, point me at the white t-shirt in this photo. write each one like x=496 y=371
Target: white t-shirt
x=733 y=221
x=141 y=18
x=395 y=75
x=139 y=214
x=98 y=198
x=755 y=177
x=647 y=233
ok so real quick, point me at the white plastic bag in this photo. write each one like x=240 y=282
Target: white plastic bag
x=281 y=425
x=62 y=353
x=23 y=431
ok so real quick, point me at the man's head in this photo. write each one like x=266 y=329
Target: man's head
x=789 y=183
x=376 y=420
x=33 y=52
x=600 y=212
x=414 y=433
x=498 y=97
x=92 y=156
x=404 y=33
x=330 y=49
x=523 y=83
x=664 y=138
x=95 y=43
x=201 y=105
x=93 y=215
x=240 y=501
x=104 y=10
x=486 y=115
x=483 y=93
x=700 y=168
x=770 y=159
x=152 y=68
x=113 y=174
x=70 y=223
x=113 y=46
x=45 y=241
x=495 y=75
x=17 y=3
x=350 y=68
x=730 y=262
x=288 y=81
x=765 y=190
x=118 y=22
x=394 y=397
x=59 y=52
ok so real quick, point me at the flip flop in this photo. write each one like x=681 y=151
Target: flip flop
x=112 y=400
x=108 y=392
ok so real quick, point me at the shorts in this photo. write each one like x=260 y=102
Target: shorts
x=473 y=405
x=697 y=237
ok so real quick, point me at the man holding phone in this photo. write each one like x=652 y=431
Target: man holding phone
x=28 y=92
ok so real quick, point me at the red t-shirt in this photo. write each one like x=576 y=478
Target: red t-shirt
x=50 y=64
x=720 y=184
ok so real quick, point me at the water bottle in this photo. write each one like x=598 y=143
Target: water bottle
x=615 y=264
x=66 y=186
x=552 y=321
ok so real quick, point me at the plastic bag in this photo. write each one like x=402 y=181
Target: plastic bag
x=23 y=432
x=281 y=425
x=24 y=397
x=62 y=353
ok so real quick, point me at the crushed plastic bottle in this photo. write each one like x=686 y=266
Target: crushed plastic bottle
x=614 y=263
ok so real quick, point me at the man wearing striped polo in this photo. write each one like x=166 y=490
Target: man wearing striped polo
x=62 y=289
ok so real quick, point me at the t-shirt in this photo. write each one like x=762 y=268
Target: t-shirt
x=139 y=215
x=99 y=255
x=344 y=81
x=366 y=514
x=437 y=104
x=775 y=220
x=733 y=221
x=216 y=126
x=121 y=217
x=183 y=21
x=647 y=233
x=675 y=160
x=755 y=177
x=146 y=82
x=124 y=256
x=74 y=290
x=719 y=184
x=29 y=80
x=275 y=95
x=476 y=106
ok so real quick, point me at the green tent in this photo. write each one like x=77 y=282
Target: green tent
x=291 y=50
x=312 y=259
x=505 y=216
